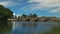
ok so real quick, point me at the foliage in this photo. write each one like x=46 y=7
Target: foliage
x=24 y=15
x=32 y=15
x=5 y=13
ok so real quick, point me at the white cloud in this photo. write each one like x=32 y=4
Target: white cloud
x=44 y=4
x=14 y=14
x=29 y=8
x=10 y=3
x=41 y=5
x=55 y=10
x=44 y=0
x=3 y=3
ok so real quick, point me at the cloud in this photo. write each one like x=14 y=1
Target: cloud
x=44 y=0
x=3 y=3
x=28 y=7
x=34 y=5
x=10 y=3
x=16 y=15
x=46 y=5
x=55 y=10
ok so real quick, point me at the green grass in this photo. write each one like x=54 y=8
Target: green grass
x=55 y=30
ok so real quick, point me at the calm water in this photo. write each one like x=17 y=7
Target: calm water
x=23 y=27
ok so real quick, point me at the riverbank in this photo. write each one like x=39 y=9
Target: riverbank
x=55 y=30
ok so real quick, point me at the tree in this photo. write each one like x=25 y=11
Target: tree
x=24 y=15
x=1 y=6
x=5 y=13
x=32 y=15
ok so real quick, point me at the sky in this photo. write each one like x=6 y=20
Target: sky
x=40 y=7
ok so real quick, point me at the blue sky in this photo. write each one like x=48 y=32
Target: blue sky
x=40 y=7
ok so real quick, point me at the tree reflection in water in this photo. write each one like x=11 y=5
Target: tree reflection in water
x=5 y=27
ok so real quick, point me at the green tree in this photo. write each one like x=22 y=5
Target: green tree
x=24 y=15
x=5 y=13
x=32 y=15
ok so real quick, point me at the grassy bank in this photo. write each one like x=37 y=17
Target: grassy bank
x=55 y=30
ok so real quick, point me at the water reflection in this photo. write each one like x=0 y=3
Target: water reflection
x=24 y=27
x=5 y=27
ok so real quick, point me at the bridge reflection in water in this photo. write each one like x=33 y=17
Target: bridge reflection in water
x=27 y=27
x=24 y=27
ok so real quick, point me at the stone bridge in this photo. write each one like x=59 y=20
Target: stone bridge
x=44 y=19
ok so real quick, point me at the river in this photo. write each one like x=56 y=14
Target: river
x=24 y=27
